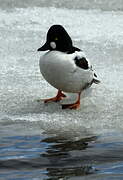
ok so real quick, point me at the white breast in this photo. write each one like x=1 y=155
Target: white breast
x=60 y=70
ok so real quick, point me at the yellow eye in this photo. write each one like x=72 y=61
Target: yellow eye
x=56 y=39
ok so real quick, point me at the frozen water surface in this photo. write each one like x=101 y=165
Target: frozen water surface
x=98 y=33
x=69 y=139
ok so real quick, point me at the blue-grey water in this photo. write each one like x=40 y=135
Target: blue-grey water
x=44 y=142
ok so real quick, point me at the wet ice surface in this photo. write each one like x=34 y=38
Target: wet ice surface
x=43 y=141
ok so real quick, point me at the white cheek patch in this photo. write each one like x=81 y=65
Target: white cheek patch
x=53 y=45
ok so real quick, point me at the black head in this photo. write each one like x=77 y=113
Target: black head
x=58 y=39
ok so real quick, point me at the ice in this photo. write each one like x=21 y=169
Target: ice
x=98 y=33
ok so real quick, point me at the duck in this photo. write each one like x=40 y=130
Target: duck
x=65 y=67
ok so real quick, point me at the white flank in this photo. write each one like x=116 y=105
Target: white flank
x=60 y=70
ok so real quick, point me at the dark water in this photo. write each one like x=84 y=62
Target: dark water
x=54 y=158
x=46 y=157
x=44 y=142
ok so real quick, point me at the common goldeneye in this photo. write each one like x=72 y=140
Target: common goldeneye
x=64 y=66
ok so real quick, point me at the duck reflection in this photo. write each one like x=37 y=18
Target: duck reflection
x=66 y=173
x=65 y=157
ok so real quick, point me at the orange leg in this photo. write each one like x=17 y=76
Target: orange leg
x=75 y=105
x=57 y=98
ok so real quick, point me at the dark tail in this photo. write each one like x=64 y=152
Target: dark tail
x=96 y=81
